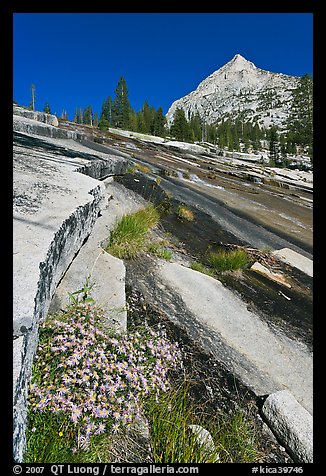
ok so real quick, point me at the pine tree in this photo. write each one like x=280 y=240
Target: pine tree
x=255 y=137
x=236 y=143
x=140 y=125
x=245 y=136
x=132 y=120
x=121 y=106
x=273 y=146
x=283 y=151
x=196 y=127
x=148 y=118
x=180 y=127
x=221 y=133
x=78 y=116
x=300 y=122
x=229 y=136
x=88 y=115
x=290 y=144
x=106 y=113
x=211 y=131
x=47 y=108
x=159 y=123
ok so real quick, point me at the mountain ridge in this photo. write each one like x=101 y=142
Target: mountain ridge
x=240 y=88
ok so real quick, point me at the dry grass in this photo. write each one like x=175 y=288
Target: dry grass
x=184 y=213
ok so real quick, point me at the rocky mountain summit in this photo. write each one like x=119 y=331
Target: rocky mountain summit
x=240 y=89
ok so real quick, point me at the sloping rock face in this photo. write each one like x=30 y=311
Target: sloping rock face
x=57 y=200
x=239 y=86
x=33 y=126
x=216 y=317
x=36 y=116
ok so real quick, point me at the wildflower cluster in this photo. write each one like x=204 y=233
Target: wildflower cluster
x=97 y=380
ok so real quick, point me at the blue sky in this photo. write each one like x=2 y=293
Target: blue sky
x=76 y=59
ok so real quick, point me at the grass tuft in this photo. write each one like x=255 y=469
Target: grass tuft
x=228 y=260
x=201 y=268
x=171 y=439
x=158 y=249
x=235 y=437
x=130 y=233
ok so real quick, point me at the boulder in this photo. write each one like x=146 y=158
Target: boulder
x=205 y=441
x=291 y=424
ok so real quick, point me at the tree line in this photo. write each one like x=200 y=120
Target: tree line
x=234 y=134
x=117 y=113
x=238 y=134
x=227 y=133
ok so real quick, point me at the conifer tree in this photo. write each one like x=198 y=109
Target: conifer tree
x=47 y=108
x=273 y=146
x=159 y=123
x=300 y=122
x=140 y=125
x=255 y=137
x=88 y=115
x=121 y=106
x=75 y=120
x=212 y=133
x=180 y=127
x=236 y=143
x=78 y=116
x=283 y=150
x=196 y=127
x=147 y=121
x=106 y=114
x=221 y=133
x=132 y=120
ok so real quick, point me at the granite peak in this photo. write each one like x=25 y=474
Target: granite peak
x=239 y=89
